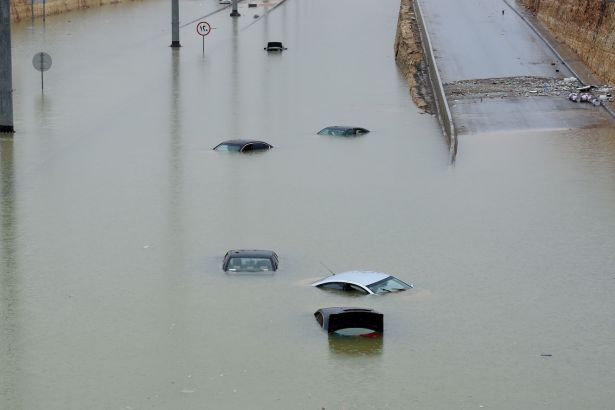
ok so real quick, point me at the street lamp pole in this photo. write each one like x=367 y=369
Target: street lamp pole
x=6 y=74
x=235 y=13
x=175 y=23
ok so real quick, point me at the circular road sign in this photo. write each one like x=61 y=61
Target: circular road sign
x=203 y=28
x=41 y=61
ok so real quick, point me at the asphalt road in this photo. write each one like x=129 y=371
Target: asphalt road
x=478 y=39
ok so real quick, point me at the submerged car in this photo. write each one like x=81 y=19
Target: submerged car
x=244 y=260
x=363 y=282
x=343 y=131
x=350 y=321
x=275 y=46
x=243 y=146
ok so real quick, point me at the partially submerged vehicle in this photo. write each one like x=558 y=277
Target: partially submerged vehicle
x=241 y=145
x=250 y=260
x=343 y=131
x=350 y=321
x=275 y=46
x=363 y=282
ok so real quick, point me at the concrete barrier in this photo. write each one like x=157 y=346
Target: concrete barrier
x=444 y=112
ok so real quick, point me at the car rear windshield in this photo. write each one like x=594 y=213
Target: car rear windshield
x=249 y=264
x=334 y=131
x=387 y=285
x=228 y=147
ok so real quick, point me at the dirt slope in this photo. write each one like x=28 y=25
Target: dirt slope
x=586 y=26
x=23 y=9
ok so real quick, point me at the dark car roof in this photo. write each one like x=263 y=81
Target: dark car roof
x=251 y=253
x=335 y=318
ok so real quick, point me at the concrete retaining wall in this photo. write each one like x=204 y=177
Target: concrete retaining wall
x=444 y=112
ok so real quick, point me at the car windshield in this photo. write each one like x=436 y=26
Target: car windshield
x=334 y=131
x=228 y=147
x=249 y=265
x=387 y=285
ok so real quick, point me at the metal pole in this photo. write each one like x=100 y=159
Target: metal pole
x=235 y=13
x=42 y=87
x=6 y=74
x=175 y=23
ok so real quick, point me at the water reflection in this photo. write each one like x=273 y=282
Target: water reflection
x=355 y=345
x=8 y=279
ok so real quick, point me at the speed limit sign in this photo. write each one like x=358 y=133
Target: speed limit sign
x=203 y=28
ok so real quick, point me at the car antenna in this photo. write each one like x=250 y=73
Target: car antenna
x=327 y=268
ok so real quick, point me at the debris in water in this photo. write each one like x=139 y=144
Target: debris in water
x=546 y=355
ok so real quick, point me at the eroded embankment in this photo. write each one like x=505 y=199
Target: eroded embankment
x=409 y=56
x=586 y=26
x=25 y=9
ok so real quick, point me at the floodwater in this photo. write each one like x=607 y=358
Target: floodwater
x=115 y=214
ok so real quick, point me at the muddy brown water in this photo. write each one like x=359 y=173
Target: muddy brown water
x=115 y=214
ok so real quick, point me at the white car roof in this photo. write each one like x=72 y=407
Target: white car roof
x=363 y=278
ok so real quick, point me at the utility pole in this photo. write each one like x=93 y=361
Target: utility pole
x=174 y=23
x=6 y=74
x=234 y=13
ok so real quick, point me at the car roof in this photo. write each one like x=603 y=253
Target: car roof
x=341 y=127
x=251 y=253
x=363 y=278
x=242 y=142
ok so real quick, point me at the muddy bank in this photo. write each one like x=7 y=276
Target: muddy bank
x=25 y=9
x=409 y=57
x=585 y=26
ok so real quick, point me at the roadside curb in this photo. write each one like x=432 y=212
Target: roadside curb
x=554 y=51
x=444 y=112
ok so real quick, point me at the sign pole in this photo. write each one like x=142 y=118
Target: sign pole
x=202 y=29
x=42 y=87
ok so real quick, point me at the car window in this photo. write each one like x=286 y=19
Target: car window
x=228 y=147
x=387 y=285
x=260 y=146
x=332 y=286
x=332 y=131
x=357 y=288
x=344 y=287
x=249 y=265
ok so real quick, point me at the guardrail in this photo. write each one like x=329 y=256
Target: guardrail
x=444 y=112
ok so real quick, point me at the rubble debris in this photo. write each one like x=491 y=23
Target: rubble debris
x=584 y=97
x=511 y=87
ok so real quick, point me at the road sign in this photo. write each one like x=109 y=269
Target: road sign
x=203 y=28
x=41 y=61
